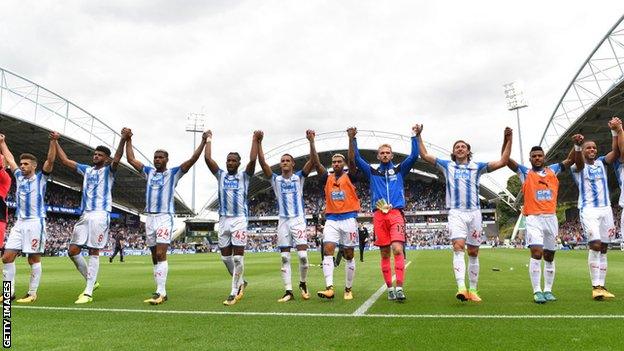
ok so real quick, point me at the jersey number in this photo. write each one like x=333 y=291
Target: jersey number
x=300 y=234
x=353 y=236
x=240 y=235
x=162 y=233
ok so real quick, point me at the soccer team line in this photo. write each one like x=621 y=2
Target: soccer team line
x=386 y=180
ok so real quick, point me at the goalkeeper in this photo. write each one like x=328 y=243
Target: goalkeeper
x=388 y=200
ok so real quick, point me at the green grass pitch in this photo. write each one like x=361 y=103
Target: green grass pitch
x=431 y=318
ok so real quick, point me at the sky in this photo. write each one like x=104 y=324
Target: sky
x=288 y=66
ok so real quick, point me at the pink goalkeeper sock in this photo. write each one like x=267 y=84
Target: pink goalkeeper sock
x=386 y=270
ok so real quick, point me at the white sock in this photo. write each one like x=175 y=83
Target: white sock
x=459 y=268
x=603 y=269
x=593 y=260
x=473 y=271
x=8 y=274
x=160 y=276
x=35 y=278
x=349 y=273
x=303 y=265
x=237 y=277
x=228 y=261
x=92 y=273
x=328 y=270
x=549 y=275
x=535 y=273
x=286 y=270
x=80 y=264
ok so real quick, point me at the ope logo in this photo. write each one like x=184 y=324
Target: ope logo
x=288 y=187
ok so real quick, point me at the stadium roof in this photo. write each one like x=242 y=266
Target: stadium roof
x=368 y=141
x=28 y=112
x=595 y=94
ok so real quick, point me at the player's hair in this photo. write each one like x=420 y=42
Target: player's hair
x=162 y=152
x=339 y=155
x=289 y=155
x=235 y=154
x=536 y=148
x=104 y=149
x=467 y=145
x=588 y=141
x=27 y=156
x=384 y=145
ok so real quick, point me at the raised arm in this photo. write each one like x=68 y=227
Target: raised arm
x=314 y=161
x=494 y=165
x=212 y=165
x=408 y=163
x=615 y=124
x=136 y=164
x=253 y=154
x=48 y=165
x=422 y=150
x=8 y=156
x=513 y=165
x=577 y=157
x=266 y=169
x=119 y=152
x=351 y=153
x=569 y=160
x=361 y=163
x=65 y=161
x=621 y=144
x=186 y=165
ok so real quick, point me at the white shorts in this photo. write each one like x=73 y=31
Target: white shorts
x=27 y=236
x=341 y=232
x=158 y=229
x=465 y=225
x=542 y=230
x=598 y=224
x=91 y=230
x=232 y=231
x=291 y=232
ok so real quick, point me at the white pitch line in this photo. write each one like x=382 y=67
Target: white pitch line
x=335 y=315
x=371 y=300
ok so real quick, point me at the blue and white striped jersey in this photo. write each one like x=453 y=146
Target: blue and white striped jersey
x=97 y=186
x=289 y=194
x=592 y=184
x=233 y=193
x=30 y=194
x=160 y=192
x=462 y=183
